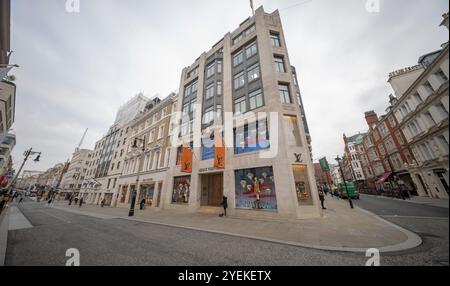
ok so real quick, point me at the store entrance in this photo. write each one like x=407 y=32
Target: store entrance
x=212 y=190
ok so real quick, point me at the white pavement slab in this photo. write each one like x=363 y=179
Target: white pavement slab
x=17 y=220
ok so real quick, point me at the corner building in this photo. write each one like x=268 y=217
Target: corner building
x=248 y=71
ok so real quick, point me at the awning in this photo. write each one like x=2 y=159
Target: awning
x=384 y=177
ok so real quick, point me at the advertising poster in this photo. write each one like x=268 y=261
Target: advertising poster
x=181 y=190
x=255 y=189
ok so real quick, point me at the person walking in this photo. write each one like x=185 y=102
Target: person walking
x=142 y=204
x=224 y=204
x=81 y=201
x=322 y=199
x=76 y=200
x=70 y=200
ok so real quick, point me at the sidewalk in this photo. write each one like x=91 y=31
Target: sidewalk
x=442 y=203
x=340 y=229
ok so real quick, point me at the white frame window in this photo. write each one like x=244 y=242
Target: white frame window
x=239 y=80
x=209 y=93
x=256 y=99
x=285 y=94
x=253 y=73
x=238 y=58
x=251 y=50
x=279 y=64
x=240 y=105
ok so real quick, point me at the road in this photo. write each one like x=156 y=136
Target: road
x=429 y=222
x=123 y=242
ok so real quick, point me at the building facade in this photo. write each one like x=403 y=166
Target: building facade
x=422 y=114
x=147 y=155
x=353 y=168
x=7 y=144
x=131 y=109
x=268 y=169
x=76 y=173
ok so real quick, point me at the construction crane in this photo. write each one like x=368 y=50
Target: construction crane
x=81 y=141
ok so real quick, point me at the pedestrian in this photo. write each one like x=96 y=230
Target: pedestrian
x=103 y=203
x=21 y=199
x=224 y=203
x=81 y=201
x=322 y=199
x=70 y=200
x=142 y=204
x=76 y=200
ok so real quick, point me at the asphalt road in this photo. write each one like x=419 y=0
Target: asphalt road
x=124 y=242
x=429 y=222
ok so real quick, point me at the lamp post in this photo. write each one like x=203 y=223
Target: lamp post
x=27 y=154
x=133 y=199
x=338 y=159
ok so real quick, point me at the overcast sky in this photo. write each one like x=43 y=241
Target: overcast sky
x=76 y=69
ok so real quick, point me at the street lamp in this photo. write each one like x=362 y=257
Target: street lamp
x=133 y=199
x=27 y=154
x=338 y=159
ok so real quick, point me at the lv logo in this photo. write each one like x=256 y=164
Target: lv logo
x=298 y=158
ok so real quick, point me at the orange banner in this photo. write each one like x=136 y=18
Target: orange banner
x=219 y=151
x=186 y=160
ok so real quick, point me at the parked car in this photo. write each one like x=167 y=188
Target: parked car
x=350 y=188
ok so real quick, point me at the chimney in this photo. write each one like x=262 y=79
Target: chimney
x=371 y=119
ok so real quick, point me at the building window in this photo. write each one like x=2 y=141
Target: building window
x=118 y=165
x=255 y=189
x=428 y=87
x=239 y=80
x=279 y=64
x=160 y=132
x=251 y=50
x=250 y=30
x=152 y=136
x=275 y=39
x=302 y=185
x=292 y=131
x=417 y=98
x=255 y=99
x=253 y=73
x=251 y=137
x=210 y=70
x=237 y=39
x=210 y=91
x=285 y=96
x=444 y=144
x=238 y=59
x=219 y=66
x=442 y=110
x=181 y=190
x=441 y=75
x=240 y=105
x=429 y=119
x=218 y=111
x=219 y=88
x=208 y=117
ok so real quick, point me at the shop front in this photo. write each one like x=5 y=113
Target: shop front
x=181 y=190
x=255 y=189
x=212 y=190
x=147 y=193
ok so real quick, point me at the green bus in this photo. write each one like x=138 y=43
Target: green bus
x=351 y=188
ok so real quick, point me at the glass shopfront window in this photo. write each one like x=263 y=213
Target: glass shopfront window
x=302 y=185
x=255 y=189
x=181 y=190
x=147 y=192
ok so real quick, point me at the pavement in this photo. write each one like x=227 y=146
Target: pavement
x=339 y=229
